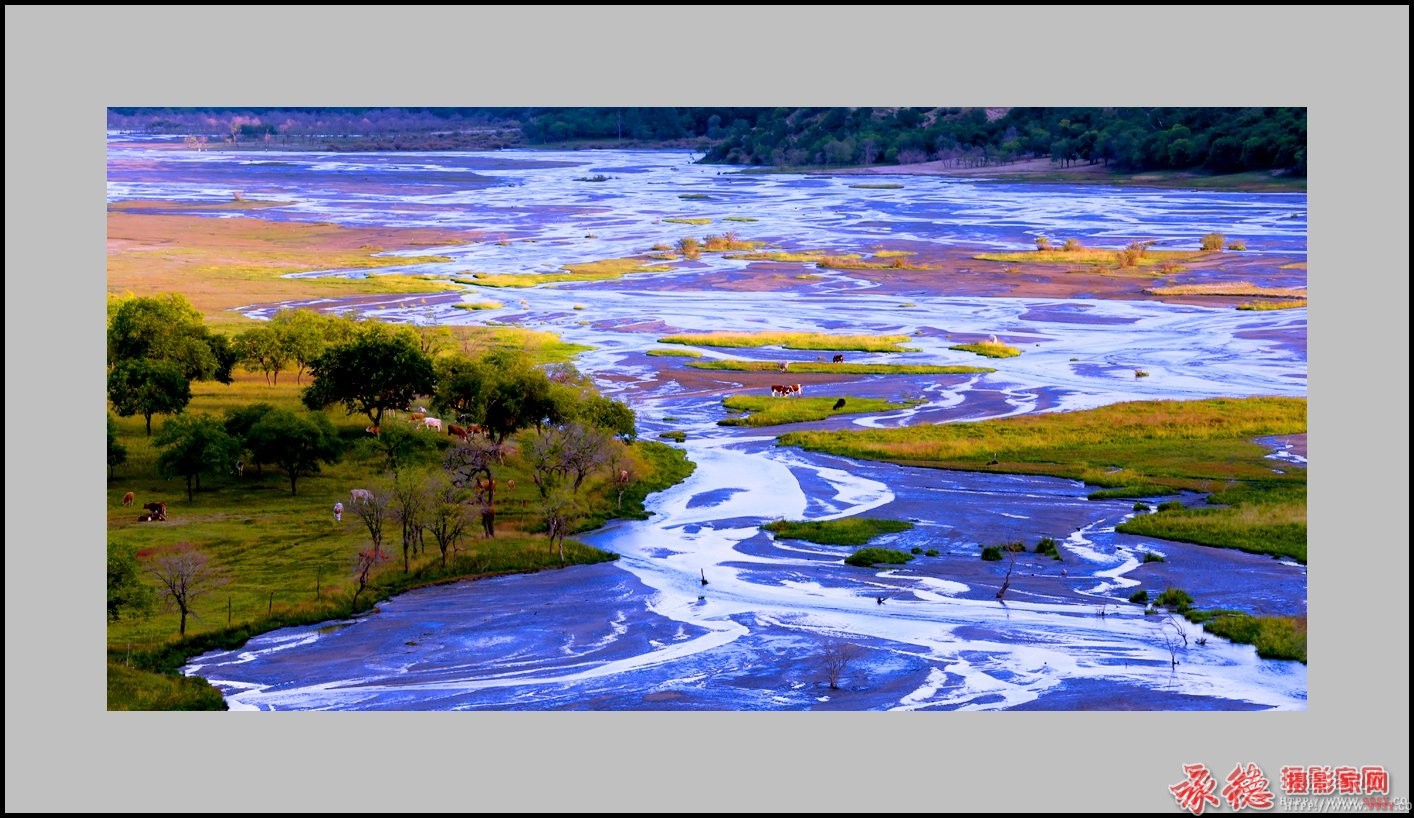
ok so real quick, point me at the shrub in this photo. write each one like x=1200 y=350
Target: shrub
x=1150 y=556
x=1015 y=545
x=1129 y=256
x=674 y=436
x=1140 y=595
x=1141 y=506
x=916 y=550
x=1046 y=545
x=932 y=552
x=1072 y=245
x=690 y=248
x=1043 y=243
x=866 y=557
x=1237 y=244
x=1171 y=505
x=1213 y=243
x=1175 y=599
x=992 y=553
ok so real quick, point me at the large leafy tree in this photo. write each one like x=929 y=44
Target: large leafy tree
x=193 y=445
x=147 y=387
x=240 y=420
x=261 y=349
x=303 y=335
x=127 y=594
x=294 y=442
x=168 y=328
x=376 y=371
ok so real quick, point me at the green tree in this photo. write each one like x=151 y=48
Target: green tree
x=127 y=594
x=117 y=452
x=378 y=370
x=240 y=420
x=168 y=328
x=296 y=443
x=608 y=414
x=147 y=387
x=193 y=445
x=463 y=387
x=261 y=349
x=518 y=400
x=304 y=335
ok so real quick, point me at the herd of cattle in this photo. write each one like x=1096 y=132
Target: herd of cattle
x=154 y=512
x=421 y=421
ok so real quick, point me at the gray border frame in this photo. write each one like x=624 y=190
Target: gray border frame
x=64 y=65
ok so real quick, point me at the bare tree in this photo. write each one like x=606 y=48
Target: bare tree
x=408 y=503
x=372 y=511
x=186 y=574
x=1006 y=582
x=562 y=510
x=364 y=564
x=835 y=658
x=1174 y=635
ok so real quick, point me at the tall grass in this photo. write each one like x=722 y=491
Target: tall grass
x=847 y=531
x=688 y=220
x=1273 y=305
x=793 y=340
x=674 y=353
x=1094 y=256
x=769 y=411
x=1246 y=288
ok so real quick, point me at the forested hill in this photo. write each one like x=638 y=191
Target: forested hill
x=1219 y=140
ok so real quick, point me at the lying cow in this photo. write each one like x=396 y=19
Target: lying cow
x=158 y=511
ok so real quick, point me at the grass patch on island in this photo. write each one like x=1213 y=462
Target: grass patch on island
x=478 y=305
x=820 y=367
x=1239 y=288
x=848 y=531
x=793 y=340
x=605 y=270
x=989 y=349
x=769 y=411
x=865 y=557
x=1204 y=446
x=674 y=353
x=1292 y=304
x=684 y=220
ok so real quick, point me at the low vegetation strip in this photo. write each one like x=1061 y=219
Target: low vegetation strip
x=793 y=340
x=1241 y=288
x=605 y=270
x=1204 y=446
x=674 y=353
x=768 y=411
x=816 y=368
x=1103 y=257
x=848 y=531
x=1295 y=303
x=989 y=349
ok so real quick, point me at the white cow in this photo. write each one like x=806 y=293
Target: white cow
x=434 y=424
x=360 y=496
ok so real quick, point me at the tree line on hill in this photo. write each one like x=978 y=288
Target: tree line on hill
x=1214 y=139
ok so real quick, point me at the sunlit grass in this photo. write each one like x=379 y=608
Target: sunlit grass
x=740 y=219
x=989 y=349
x=1243 y=288
x=674 y=353
x=1087 y=255
x=605 y=270
x=1204 y=446
x=843 y=369
x=793 y=340
x=1273 y=305
x=805 y=256
x=479 y=305
x=773 y=411
x=847 y=531
x=686 y=220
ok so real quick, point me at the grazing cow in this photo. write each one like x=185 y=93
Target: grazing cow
x=623 y=475
x=128 y=499
x=338 y=512
x=360 y=496
x=992 y=339
x=454 y=429
x=838 y=359
x=373 y=430
x=239 y=471
x=779 y=390
x=416 y=416
x=474 y=429
x=839 y=404
x=785 y=366
x=510 y=485
x=434 y=424
x=793 y=390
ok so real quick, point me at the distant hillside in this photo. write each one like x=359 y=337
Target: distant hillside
x=1219 y=140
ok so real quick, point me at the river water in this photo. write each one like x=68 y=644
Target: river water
x=646 y=632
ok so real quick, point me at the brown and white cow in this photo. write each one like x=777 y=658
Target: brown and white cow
x=838 y=359
x=128 y=499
